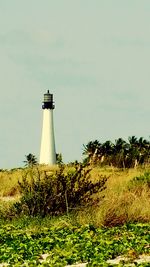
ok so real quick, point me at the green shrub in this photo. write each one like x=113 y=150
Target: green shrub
x=54 y=194
x=141 y=180
x=140 y=185
x=145 y=178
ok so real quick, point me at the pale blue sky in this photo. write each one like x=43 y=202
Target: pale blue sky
x=93 y=55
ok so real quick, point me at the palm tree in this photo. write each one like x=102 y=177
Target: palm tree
x=133 y=141
x=120 y=152
x=133 y=153
x=144 y=150
x=107 y=150
x=91 y=150
x=31 y=160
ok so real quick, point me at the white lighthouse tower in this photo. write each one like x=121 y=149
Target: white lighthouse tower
x=48 y=152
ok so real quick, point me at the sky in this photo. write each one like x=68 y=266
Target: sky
x=93 y=56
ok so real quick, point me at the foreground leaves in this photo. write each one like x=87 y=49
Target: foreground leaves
x=20 y=246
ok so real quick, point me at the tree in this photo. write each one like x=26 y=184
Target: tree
x=91 y=150
x=144 y=149
x=59 y=159
x=106 y=151
x=120 y=152
x=138 y=151
x=31 y=160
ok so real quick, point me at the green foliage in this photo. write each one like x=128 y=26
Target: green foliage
x=58 y=193
x=21 y=246
x=59 y=159
x=119 y=154
x=140 y=181
x=31 y=160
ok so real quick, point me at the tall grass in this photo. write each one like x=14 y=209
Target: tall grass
x=9 y=179
x=121 y=203
x=9 y=182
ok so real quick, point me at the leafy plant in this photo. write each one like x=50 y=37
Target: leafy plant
x=142 y=179
x=59 y=159
x=58 y=193
x=63 y=245
x=138 y=182
x=31 y=160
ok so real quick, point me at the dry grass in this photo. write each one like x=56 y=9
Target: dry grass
x=9 y=182
x=120 y=204
x=9 y=179
x=124 y=207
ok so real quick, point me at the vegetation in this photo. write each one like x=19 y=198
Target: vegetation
x=31 y=160
x=141 y=180
x=27 y=242
x=58 y=193
x=125 y=198
x=59 y=159
x=76 y=213
x=120 y=154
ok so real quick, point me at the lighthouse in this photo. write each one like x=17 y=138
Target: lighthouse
x=48 y=152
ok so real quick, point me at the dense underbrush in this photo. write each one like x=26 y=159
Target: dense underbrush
x=74 y=214
x=60 y=192
x=101 y=196
x=43 y=242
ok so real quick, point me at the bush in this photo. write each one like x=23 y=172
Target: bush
x=142 y=179
x=139 y=183
x=55 y=194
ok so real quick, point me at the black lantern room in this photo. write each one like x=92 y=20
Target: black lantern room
x=48 y=101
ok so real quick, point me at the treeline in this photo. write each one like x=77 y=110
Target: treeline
x=121 y=153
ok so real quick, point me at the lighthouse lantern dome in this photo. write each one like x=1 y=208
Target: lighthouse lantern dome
x=48 y=101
